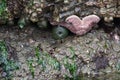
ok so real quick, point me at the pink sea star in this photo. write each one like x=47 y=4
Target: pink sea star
x=80 y=27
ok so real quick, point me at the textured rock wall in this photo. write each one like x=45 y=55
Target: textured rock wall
x=103 y=8
x=58 y=10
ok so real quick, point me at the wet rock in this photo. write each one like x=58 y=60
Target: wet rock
x=86 y=47
x=116 y=47
x=86 y=69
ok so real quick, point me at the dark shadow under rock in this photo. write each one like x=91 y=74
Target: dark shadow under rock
x=100 y=60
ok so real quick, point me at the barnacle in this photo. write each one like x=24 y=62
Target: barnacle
x=56 y=10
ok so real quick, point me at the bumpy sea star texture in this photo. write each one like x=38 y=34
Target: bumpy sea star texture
x=81 y=26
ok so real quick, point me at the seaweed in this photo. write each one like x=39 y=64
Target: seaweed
x=6 y=63
x=31 y=67
x=3 y=12
x=71 y=66
x=42 y=60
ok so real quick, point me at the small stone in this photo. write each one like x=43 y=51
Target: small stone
x=31 y=41
x=108 y=70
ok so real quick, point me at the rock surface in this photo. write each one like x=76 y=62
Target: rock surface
x=92 y=49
